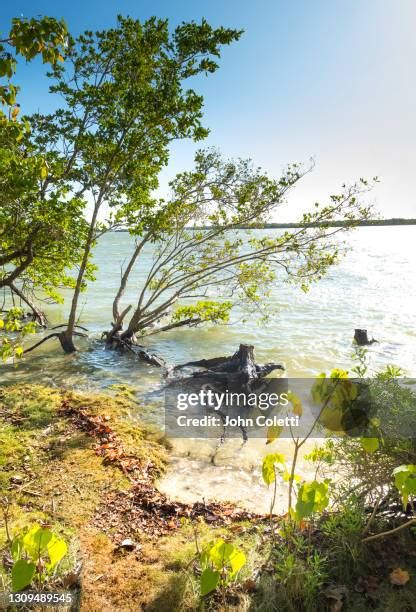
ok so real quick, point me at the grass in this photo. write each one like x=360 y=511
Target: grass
x=50 y=473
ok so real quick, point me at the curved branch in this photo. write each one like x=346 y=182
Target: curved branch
x=37 y=314
x=32 y=348
x=64 y=325
x=8 y=280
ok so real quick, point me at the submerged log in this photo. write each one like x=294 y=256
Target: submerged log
x=239 y=371
x=361 y=337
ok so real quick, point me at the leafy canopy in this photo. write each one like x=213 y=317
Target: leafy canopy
x=41 y=223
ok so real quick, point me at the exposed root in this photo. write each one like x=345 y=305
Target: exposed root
x=237 y=371
x=123 y=344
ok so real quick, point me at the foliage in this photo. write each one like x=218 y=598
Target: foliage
x=220 y=563
x=299 y=573
x=366 y=464
x=206 y=244
x=312 y=497
x=41 y=221
x=203 y=311
x=343 y=530
x=11 y=347
x=405 y=481
x=28 y=38
x=36 y=555
x=315 y=547
x=271 y=463
x=124 y=103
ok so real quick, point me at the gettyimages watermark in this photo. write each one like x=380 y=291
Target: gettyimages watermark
x=292 y=407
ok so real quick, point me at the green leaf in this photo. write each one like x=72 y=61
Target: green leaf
x=218 y=553
x=43 y=171
x=57 y=549
x=370 y=444
x=273 y=433
x=16 y=548
x=22 y=574
x=209 y=581
x=405 y=481
x=237 y=560
x=36 y=540
x=312 y=497
x=268 y=467
x=18 y=351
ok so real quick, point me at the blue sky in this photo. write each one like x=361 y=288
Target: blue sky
x=331 y=79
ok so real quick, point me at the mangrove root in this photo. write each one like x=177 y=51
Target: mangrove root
x=116 y=341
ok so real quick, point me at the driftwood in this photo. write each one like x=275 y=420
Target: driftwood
x=236 y=374
x=361 y=337
x=240 y=371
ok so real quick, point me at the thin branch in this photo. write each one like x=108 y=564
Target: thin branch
x=31 y=348
x=390 y=531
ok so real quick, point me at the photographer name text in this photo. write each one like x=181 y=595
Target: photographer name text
x=238 y=421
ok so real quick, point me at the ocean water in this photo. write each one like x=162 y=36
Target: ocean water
x=373 y=287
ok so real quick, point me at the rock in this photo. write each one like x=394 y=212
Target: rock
x=16 y=479
x=128 y=544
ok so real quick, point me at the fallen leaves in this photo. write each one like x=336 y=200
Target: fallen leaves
x=399 y=577
x=108 y=446
x=142 y=509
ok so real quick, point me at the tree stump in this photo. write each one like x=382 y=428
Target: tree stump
x=238 y=374
x=361 y=337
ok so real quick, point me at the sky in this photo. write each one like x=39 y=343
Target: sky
x=328 y=79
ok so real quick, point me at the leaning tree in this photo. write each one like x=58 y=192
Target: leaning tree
x=209 y=254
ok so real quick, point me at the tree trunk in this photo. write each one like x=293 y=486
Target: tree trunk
x=66 y=337
x=67 y=342
x=118 y=318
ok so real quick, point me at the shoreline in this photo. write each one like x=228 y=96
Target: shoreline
x=393 y=222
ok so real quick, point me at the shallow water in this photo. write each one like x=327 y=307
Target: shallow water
x=374 y=287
